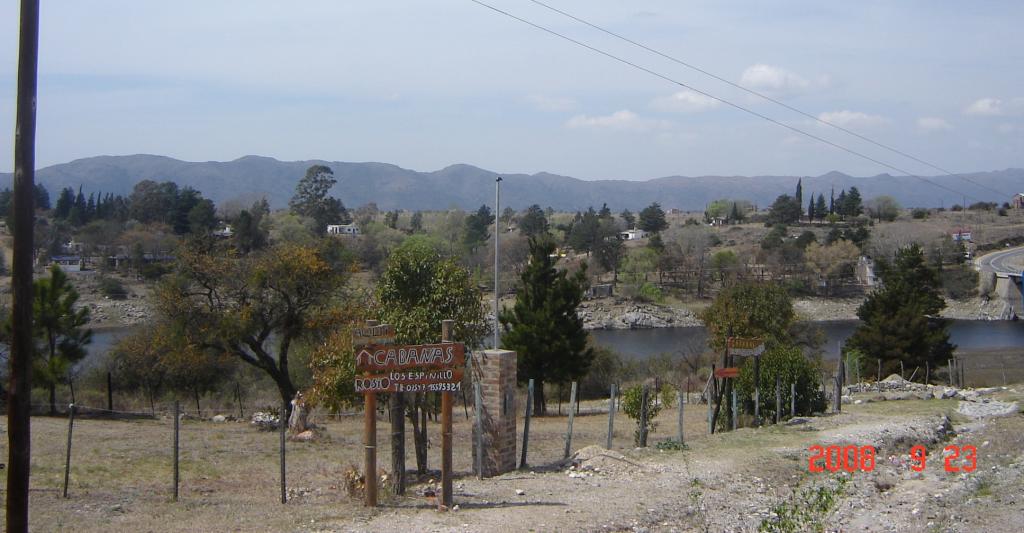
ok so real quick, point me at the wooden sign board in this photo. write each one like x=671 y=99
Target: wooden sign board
x=382 y=334
x=730 y=372
x=411 y=381
x=377 y=358
x=741 y=346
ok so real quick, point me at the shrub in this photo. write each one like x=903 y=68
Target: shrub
x=919 y=213
x=959 y=283
x=790 y=365
x=113 y=288
x=632 y=403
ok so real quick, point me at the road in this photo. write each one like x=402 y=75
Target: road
x=1009 y=261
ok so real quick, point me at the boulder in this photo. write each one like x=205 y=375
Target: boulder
x=219 y=419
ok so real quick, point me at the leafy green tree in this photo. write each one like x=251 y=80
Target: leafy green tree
x=639 y=263
x=253 y=308
x=543 y=327
x=533 y=222
x=652 y=218
x=391 y=219
x=59 y=327
x=750 y=309
x=884 y=208
x=785 y=210
x=605 y=212
x=790 y=366
x=585 y=234
x=311 y=199
x=900 y=321
x=633 y=406
x=609 y=248
x=202 y=218
x=417 y=290
x=629 y=218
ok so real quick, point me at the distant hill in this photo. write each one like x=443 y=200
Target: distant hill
x=467 y=187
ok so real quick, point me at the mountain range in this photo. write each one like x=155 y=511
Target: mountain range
x=467 y=187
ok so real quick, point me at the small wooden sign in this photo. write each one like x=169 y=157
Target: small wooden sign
x=379 y=334
x=411 y=381
x=742 y=346
x=377 y=358
x=729 y=372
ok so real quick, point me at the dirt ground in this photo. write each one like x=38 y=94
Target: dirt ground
x=121 y=477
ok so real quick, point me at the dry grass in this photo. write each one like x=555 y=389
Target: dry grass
x=121 y=476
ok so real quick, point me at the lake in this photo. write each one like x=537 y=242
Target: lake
x=643 y=343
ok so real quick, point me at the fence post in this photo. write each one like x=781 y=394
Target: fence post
x=67 y=461
x=238 y=396
x=901 y=370
x=526 y=423
x=778 y=399
x=572 y=413
x=177 y=422
x=643 y=417
x=928 y=372
x=735 y=414
x=757 y=390
x=282 y=424
x=708 y=397
x=611 y=416
x=478 y=405
x=681 y=403
x=110 y=392
x=792 y=399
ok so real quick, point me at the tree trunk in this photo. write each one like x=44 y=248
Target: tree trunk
x=287 y=391
x=419 y=433
x=53 y=399
x=398 y=442
x=540 y=407
x=199 y=413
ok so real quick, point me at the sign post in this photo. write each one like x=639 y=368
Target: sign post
x=748 y=347
x=360 y=337
x=386 y=367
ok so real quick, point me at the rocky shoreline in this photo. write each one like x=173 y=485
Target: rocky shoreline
x=610 y=313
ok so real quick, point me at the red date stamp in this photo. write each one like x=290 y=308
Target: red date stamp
x=862 y=458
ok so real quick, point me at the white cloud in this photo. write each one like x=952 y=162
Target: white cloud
x=778 y=81
x=551 y=103
x=685 y=101
x=933 y=124
x=852 y=119
x=620 y=120
x=995 y=107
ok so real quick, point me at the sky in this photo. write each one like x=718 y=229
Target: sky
x=428 y=84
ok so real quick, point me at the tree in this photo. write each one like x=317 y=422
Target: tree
x=852 y=203
x=799 y=195
x=64 y=203
x=900 y=321
x=476 y=228
x=391 y=219
x=883 y=208
x=785 y=210
x=417 y=290
x=629 y=218
x=750 y=309
x=652 y=218
x=41 y=197
x=311 y=200
x=202 y=218
x=831 y=261
x=59 y=327
x=543 y=327
x=533 y=222
x=820 y=210
x=416 y=222
x=252 y=308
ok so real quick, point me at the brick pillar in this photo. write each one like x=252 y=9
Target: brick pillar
x=495 y=370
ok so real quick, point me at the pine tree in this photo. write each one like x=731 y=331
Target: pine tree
x=58 y=326
x=900 y=321
x=819 y=207
x=799 y=191
x=832 y=202
x=543 y=327
x=810 y=208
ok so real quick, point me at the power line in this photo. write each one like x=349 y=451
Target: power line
x=763 y=96
x=719 y=99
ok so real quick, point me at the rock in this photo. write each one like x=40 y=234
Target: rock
x=884 y=482
x=305 y=436
x=901 y=395
x=520 y=492
x=220 y=419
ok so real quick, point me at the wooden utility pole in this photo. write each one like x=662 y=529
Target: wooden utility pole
x=19 y=390
x=446 y=429
x=369 y=442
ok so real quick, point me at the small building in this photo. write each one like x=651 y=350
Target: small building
x=226 y=232
x=961 y=235
x=633 y=234
x=865 y=272
x=343 y=229
x=1018 y=201
x=67 y=263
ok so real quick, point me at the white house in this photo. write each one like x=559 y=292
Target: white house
x=342 y=229
x=633 y=234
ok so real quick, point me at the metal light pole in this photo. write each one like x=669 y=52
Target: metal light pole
x=497 y=232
